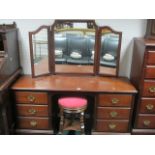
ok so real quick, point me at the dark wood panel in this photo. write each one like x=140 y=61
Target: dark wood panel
x=33 y=123
x=32 y=110
x=149 y=72
x=146 y=121
x=147 y=105
x=112 y=126
x=113 y=113
x=151 y=58
x=75 y=83
x=115 y=100
x=149 y=88
x=31 y=97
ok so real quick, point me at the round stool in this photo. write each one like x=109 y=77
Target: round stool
x=72 y=105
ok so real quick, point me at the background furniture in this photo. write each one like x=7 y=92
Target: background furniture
x=9 y=70
x=143 y=77
x=150 y=30
x=109 y=110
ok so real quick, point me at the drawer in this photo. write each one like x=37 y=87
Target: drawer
x=149 y=72
x=151 y=58
x=115 y=100
x=149 y=88
x=113 y=113
x=147 y=106
x=32 y=110
x=145 y=121
x=33 y=123
x=31 y=97
x=112 y=126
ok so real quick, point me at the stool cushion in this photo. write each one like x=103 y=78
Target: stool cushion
x=72 y=102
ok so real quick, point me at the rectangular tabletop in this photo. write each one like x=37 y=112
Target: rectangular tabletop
x=75 y=84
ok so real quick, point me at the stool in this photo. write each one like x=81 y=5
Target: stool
x=73 y=106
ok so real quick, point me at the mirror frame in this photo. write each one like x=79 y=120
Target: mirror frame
x=118 y=50
x=51 y=49
x=31 y=50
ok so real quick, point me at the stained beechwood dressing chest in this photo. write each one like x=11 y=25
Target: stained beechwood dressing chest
x=110 y=103
x=74 y=58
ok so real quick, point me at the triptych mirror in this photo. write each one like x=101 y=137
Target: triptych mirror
x=77 y=47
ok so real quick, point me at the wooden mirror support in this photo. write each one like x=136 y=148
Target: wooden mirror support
x=75 y=47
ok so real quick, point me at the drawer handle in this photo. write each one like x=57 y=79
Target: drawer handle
x=32 y=111
x=113 y=114
x=147 y=122
x=115 y=101
x=149 y=106
x=31 y=98
x=112 y=126
x=33 y=123
x=152 y=89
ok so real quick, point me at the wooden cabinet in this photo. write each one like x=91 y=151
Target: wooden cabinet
x=114 y=113
x=110 y=103
x=32 y=111
x=143 y=77
x=9 y=70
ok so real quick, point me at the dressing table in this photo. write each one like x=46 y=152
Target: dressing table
x=74 y=58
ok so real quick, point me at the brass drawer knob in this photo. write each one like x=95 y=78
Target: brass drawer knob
x=112 y=126
x=115 y=101
x=32 y=111
x=31 y=98
x=152 y=89
x=149 y=106
x=147 y=122
x=33 y=123
x=113 y=114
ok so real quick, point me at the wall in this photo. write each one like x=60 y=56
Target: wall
x=130 y=28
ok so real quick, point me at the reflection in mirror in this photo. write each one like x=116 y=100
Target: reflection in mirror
x=74 y=47
x=40 y=52
x=109 y=52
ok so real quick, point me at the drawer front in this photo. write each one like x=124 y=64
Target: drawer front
x=151 y=58
x=115 y=100
x=149 y=89
x=147 y=106
x=113 y=113
x=149 y=72
x=31 y=97
x=32 y=110
x=33 y=123
x=112 y=126
x=146 y=121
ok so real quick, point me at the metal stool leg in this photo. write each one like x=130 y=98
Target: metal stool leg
x=82 y=122
x=61 y=120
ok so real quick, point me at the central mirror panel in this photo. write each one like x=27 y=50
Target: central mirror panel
x=74 y=46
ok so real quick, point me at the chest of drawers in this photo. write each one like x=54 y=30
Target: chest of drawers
x=114 y=113
x=110 y=103
x=143 y=77
x=32 y=111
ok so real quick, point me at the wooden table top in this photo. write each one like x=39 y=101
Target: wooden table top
x=74 y=84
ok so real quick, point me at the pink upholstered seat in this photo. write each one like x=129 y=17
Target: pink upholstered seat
x=72 y=102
